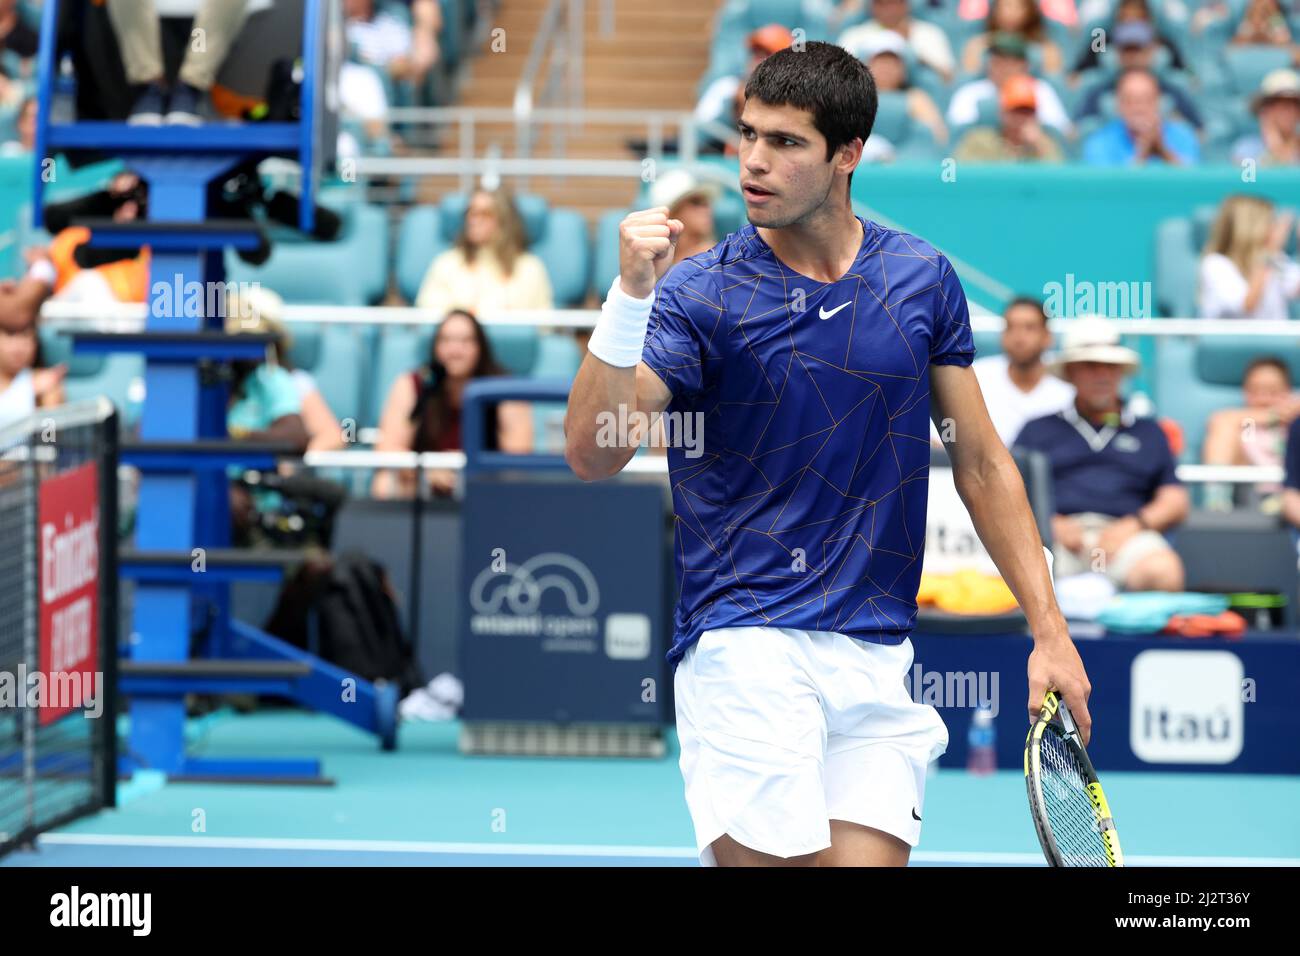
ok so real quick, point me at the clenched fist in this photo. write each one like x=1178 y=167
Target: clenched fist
x=647 y=242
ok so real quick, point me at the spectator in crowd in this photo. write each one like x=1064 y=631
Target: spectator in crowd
x=1277 y=108
x=927 y=40
x=1127 y=11
x=1063 y=12
x=24 y=129
x=1255 y=434
x=139 y=38
x=1139 y=135
x=25 y=383
x=1019 y=137
x=1245 y=272
x=265 y=404
x=423 y=409
x=21 y=299
x=1017 y=384
x=1263 y=24
x=260 y=309
x=1113 y=473
x=1135 y=41
x=690 y=200
x=1022 y=18
x=363 y=109
x=15 y=34
x=885 y=53
x=382 y=38
x=490 y=268
x=1007 y=57
x=716 y=105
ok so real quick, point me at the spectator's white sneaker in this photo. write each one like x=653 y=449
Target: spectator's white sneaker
x=148 y=107
x=183 y=110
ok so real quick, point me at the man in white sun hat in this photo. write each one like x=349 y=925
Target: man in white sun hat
x=1277 y=105
x=1113 y=473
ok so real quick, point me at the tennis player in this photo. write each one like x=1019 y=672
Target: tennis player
x=812 y=344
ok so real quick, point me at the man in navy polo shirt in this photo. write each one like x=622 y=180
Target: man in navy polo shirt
x=1113 y=473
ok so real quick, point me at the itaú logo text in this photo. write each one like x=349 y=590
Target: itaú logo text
x=507 y=598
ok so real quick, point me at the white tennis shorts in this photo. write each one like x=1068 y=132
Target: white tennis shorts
x=783 y=730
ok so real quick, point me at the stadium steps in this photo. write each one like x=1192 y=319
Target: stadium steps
x=653 y=60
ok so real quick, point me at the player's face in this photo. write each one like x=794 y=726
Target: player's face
x=457 y=346
x=784 y=172
x=1025 y=337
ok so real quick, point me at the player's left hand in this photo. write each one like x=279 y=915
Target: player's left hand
x=1055 y=664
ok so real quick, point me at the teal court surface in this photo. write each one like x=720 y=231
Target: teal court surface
x=427 y=804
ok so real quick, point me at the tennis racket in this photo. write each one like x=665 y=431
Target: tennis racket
x=1070 y=812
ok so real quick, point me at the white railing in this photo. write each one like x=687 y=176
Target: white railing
x=129 y=317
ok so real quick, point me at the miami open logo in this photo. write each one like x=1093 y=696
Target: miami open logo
x=552 y=595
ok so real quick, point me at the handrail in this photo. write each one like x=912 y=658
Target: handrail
x=129 y=317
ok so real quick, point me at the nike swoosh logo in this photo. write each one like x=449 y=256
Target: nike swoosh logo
x=826 y=315
x=914 y=816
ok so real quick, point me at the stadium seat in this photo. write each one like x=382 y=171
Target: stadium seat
x=352 y=270
x=557 y=236
x=1248 y=65
x=330 y=353
x=118 y=377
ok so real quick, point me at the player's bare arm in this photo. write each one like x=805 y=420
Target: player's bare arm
x=990 y=486
x=646 y=243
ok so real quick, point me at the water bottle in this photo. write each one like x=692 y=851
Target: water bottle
x=981 y=752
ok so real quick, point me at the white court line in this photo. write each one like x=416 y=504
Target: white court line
x=577 y=849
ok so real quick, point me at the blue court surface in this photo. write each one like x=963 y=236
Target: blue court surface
x=428 y=805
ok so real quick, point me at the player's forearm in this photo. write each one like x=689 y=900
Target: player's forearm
x=599 y=391
x=995 y=497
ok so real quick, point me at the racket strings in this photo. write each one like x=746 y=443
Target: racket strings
x=1069 y=809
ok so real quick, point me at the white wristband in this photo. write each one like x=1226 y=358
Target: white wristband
x=620 y=331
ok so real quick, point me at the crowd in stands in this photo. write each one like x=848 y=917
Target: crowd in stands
x=1100 y=82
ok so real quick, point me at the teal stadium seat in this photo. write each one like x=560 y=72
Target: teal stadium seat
x=330 y=353
x=118 y=377
x=352 y=270
x=557 y=236
x=1248 y=65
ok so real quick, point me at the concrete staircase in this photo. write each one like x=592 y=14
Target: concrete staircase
x=652 y=60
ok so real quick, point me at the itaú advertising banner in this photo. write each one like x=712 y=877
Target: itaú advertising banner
x=68 y=554
x=951 y=543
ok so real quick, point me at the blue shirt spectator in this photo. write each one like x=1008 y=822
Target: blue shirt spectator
x=1114 y=145
x=1139 y=134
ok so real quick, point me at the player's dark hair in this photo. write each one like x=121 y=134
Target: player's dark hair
x=827 y=81
x=1268 y=361
x=1027 y=301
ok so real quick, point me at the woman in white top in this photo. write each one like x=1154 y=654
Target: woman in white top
x=489 y=269
x=1244 y=272
x=24 y=385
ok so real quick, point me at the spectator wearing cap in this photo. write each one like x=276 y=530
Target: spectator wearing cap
x=886 y=55
x=1127 y=11
x=926 y=40
x=1008 y=57
x=1113 y=473
x=1245 y=272
x=1139 y=134
x=719 y=97
x=1277 y=109
x=1024 y=19
x=1019 y=136
x=1135 y=41
x=690 y=200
